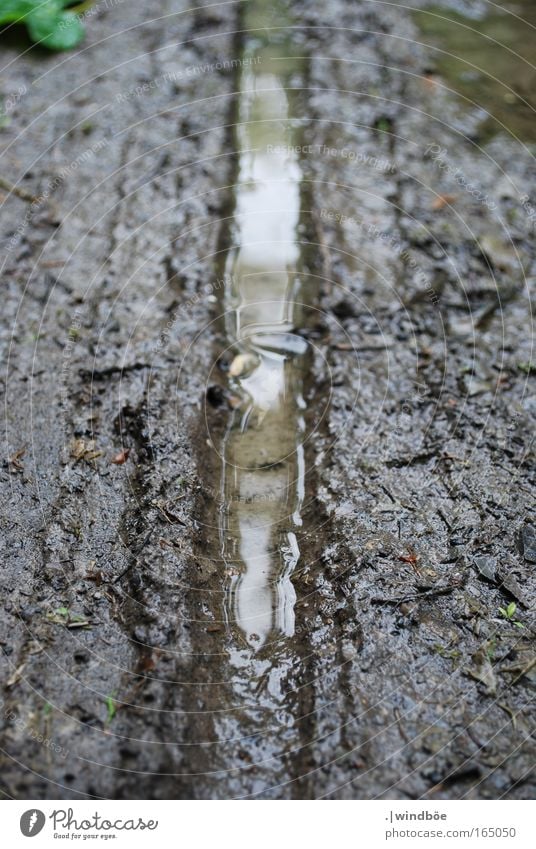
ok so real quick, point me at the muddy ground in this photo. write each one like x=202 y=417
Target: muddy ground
x=403 y=679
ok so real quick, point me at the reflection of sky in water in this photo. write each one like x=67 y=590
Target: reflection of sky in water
x=263 y=457
x=266 y=384
x=268 y=204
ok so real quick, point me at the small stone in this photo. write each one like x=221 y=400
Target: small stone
x=348 y=650
x=527 y=543
x=27 y=613
x=242 y=365
x=475 y=386
x=500 y=255
x=487 y=568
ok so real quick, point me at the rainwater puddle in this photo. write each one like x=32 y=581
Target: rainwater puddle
x=265 y=303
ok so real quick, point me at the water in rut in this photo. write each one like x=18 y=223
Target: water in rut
x=267 y=292
x=261 y=539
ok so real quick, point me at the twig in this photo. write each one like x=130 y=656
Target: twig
x=15 y=190
x=134 y=556
x=510 y=712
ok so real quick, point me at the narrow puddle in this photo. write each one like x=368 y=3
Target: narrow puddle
x=265 y=304
x=260 y=540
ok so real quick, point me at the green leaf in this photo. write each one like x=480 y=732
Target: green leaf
x=110 y=706
x=60 y=32
x=14 y=10
x=62 y=611
x=47 y=22
x=511 y=609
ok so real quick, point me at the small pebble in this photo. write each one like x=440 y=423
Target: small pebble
x=528 y=543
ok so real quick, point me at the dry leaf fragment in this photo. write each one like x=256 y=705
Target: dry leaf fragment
x=16 y=676
x=82 y=450
x=410 y=557
x=441 y=201
x=121 y=457
x=16 y=460
x=482 y=671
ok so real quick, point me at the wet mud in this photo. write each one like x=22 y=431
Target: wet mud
x=268 y=518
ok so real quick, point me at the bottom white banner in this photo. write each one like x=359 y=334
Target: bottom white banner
x=257 y=824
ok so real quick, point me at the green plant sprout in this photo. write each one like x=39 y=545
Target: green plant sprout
x=509 y=612
x=110 y=708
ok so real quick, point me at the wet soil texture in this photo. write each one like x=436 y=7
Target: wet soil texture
x=268 y=520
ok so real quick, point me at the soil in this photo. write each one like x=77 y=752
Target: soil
x=411 y=669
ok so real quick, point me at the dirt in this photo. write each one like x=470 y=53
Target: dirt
x=409 y=669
